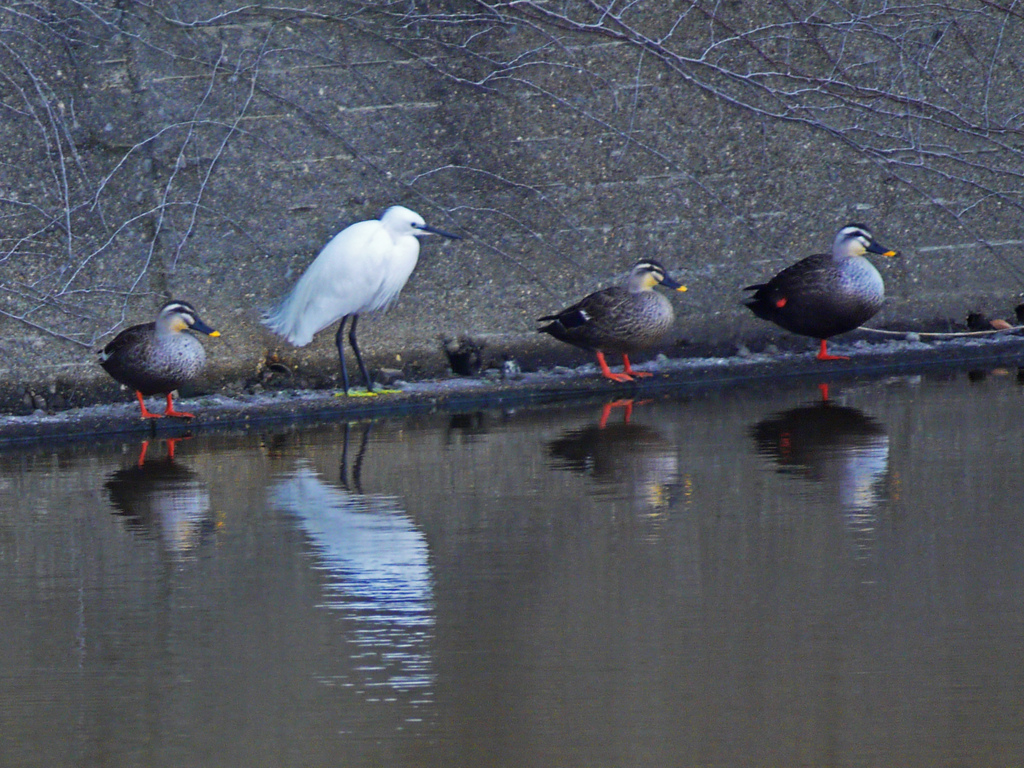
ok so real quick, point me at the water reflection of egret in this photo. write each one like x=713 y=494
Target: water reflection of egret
x=164 y=498
x=839 y=447
x=377 y=562
x=632 y=458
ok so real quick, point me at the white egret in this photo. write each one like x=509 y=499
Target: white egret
x=362 y=269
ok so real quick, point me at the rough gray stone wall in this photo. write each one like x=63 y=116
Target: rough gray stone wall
x=207 y=150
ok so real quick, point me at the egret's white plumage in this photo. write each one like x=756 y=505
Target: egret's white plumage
x=362 y=269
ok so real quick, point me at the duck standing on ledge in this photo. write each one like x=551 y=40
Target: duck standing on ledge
x=618 y=319
x=157 y=358
x=825 y=294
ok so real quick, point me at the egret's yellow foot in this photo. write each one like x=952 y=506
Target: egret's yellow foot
x=356 y=393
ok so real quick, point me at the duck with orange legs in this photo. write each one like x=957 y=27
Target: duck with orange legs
x=824 y=295
x=620 y=319
x=159 y=357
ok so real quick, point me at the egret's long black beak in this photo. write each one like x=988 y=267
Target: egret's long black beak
x=436 y=231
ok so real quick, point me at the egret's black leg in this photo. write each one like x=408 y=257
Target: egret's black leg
x=359 y=357
x=339 y=339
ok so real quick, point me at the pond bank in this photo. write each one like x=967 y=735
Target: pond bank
x=695 y=374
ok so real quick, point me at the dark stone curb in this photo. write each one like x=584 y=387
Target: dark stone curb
x=673 y=377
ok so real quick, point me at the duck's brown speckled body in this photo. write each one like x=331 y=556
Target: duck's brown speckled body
x=620 y=320
x=157 y=358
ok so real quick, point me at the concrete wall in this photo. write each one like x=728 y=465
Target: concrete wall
x=208 y=152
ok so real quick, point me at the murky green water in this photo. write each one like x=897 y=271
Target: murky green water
x=744 y=579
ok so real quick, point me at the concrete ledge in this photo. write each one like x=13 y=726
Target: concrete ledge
x=672 y=377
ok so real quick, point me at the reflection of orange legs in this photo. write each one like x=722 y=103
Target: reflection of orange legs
x=607 y=411
x=607 y=372
x=627 y=368
x=785 y=445
x=824 y=355
x=171 y=412
x=627 y=414
x=170 y=449
x=146 y=413
x=823 y=388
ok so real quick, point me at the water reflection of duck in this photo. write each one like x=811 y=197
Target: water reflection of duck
x=837 y=446
x=163 y=498
x=621 y=453
x=376 y=559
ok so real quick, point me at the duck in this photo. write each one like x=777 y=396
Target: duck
x=824 y=295
x=157 y=358
x=620 y=319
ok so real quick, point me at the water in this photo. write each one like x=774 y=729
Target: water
x=746 y=577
